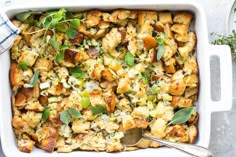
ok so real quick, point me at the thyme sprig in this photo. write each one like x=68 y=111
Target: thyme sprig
x=227 y=40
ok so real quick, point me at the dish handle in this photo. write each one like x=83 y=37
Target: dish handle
x=226 y=86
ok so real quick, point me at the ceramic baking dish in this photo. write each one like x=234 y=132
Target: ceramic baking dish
x=205 y=105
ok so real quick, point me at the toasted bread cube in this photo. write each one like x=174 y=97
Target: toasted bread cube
x=149 y=42
x=128 y=122
x=16 y=75
x=191 y=80
x=25 y=145
x=170 y=65
x=43 y=64
x=181 y=102
x=189 y=45
x=190 y=66
x=93 y=18
x=180 y=29
x=177 y=86
x=80 y=126
x=140 y=112
x=28 y=57
x=165 y=17
x=158 y=128
x=183 y=18
x=110 y=100
x=192 y=130
x=123 y=85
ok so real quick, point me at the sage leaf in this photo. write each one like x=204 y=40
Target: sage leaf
x=160 y=51
x=65 y=117
x=76 y=72
x=75 y=23
x=23 y=16
x=33 y=80
x=23 y=65
x=60 y=56
x=129 y=59
x=75 y=113
x=98 y=109
x=182 y=115
x=71 y=32
x=46 y=113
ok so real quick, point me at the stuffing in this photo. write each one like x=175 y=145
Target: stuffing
x=102 y=73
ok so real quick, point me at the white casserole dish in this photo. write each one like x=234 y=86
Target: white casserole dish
x=205 y=105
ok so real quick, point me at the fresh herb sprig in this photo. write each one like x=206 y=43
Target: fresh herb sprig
x=227 y=40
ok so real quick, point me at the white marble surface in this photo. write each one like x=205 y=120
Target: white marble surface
x=223 y=137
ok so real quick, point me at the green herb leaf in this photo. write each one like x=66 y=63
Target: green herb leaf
x=182 y=115
x=65 y=117
x=76 y=72
x=54 y=43
x=60 y=27
x=35 y=78
x=160 y=41
x=23 y=65
x=74 y=112
x=85 y=102
x=23 y=16
x=60 y=56
x=75 y=23
x=229 y=40
x=160 y=51
x=46 y=113
x=129 y=59
x=146 y=75
x=71 y=32
x=155 y=89
x=98 y=109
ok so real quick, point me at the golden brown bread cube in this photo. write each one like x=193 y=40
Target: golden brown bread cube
x=25 y=145
x=128 y=122
x=193 y=131
x=80 y=126
x=110 y=100
x=183 y=18
x=16 y=75
x=180 y=29
x=93 y=18
x=28 y=57
x=158 y=128
x=177 y=86
x=165 y=17
x=181 y=102
x=177 y=133
x=189 y=45
x=170 y=66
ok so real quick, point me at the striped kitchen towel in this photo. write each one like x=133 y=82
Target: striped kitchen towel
x=8 y=32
